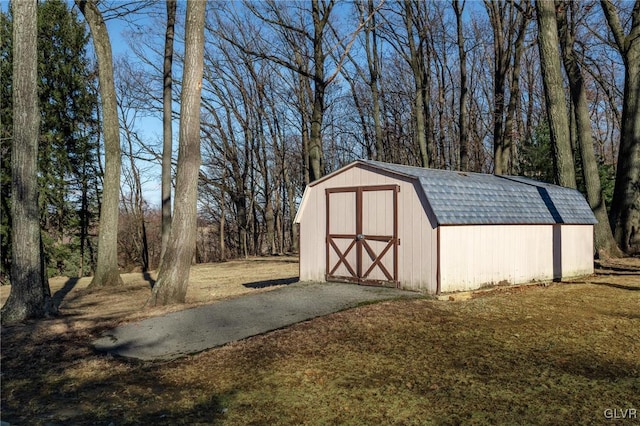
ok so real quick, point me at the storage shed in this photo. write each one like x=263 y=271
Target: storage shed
x=440 y=231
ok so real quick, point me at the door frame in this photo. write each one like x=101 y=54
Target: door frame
x=359 y=241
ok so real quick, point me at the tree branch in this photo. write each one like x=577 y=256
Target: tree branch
x=614 y=24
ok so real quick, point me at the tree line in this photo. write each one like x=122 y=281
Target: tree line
x=271 y=96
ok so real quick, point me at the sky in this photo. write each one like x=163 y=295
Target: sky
x=150 y=128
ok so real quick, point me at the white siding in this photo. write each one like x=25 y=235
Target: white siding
x=417 y=255
x=577 y=250
x=477 y=255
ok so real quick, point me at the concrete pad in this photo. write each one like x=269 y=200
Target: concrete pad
x=194 y=330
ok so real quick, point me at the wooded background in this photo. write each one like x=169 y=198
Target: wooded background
x=294 y=90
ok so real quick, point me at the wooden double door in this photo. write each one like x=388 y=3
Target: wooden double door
x=362 y=234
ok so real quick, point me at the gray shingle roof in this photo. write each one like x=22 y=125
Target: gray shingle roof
x=475 y=198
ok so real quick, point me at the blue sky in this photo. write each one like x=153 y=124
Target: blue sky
x=150 y=128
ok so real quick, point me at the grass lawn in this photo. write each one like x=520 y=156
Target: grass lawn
x=557 y=354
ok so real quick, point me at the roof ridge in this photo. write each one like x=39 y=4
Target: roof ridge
x=382 y=164
x=458 y=197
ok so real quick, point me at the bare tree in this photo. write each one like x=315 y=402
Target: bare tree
x=373 y=60
x=417 y=59
x=173 y=275
x=320 y=13
x=462 y=106
x=308 y=65
x=510 y=152
x=133 y=204
x=625 y=207
x=30 y=296
x=554 y=93
x=107 y=272
x=604 y=241
x=508 y=21
x=167 y=128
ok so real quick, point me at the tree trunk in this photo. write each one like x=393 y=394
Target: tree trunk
x=514 y=90
x=554 y=93
x=107 y=273
x=605 y=244
x=270 y=223
x=371 y=47
x=167 y=128
x=84 y=218
x=223 y=249
x=316 y=158
x=463 y=125
x=30 y=296
x=416 y=61
x=441 y=71
x=221 y=241
x=502 y=59
x=305 y=145
x=173 y=275
x=625 y=206
x=291 y=200
x=303 y=95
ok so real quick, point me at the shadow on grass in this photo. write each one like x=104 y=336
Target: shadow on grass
x=603 y=268
x=506 y=369
x=271 y=283
x=620 y=286
x=48 y=385
x=59 y=295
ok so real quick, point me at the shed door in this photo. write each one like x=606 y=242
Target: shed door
x=362 y=234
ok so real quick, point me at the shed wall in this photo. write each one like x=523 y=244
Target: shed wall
x=577 y=250
x=476 y=255
x=417 y=252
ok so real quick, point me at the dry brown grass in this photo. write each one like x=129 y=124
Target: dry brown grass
x=560 y=354
x=207 y=282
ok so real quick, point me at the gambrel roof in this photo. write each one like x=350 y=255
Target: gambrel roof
x=465 y=198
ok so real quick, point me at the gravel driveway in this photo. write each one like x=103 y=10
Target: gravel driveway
x=194 y=330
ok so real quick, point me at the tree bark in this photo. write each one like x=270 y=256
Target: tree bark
x=514 y=90
x=508 y=22
x=371 y=47
x=316 y=157
x=554 y=93
x=223 y=249
x=30 y=296
x=463 y=124
x=502 y=59
x=625 y=206
x=291 y=199
x=605 y=244
x=416 y=61
x=173 y=276
x=107 y=273
x=303 y=89
x=167 y=128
